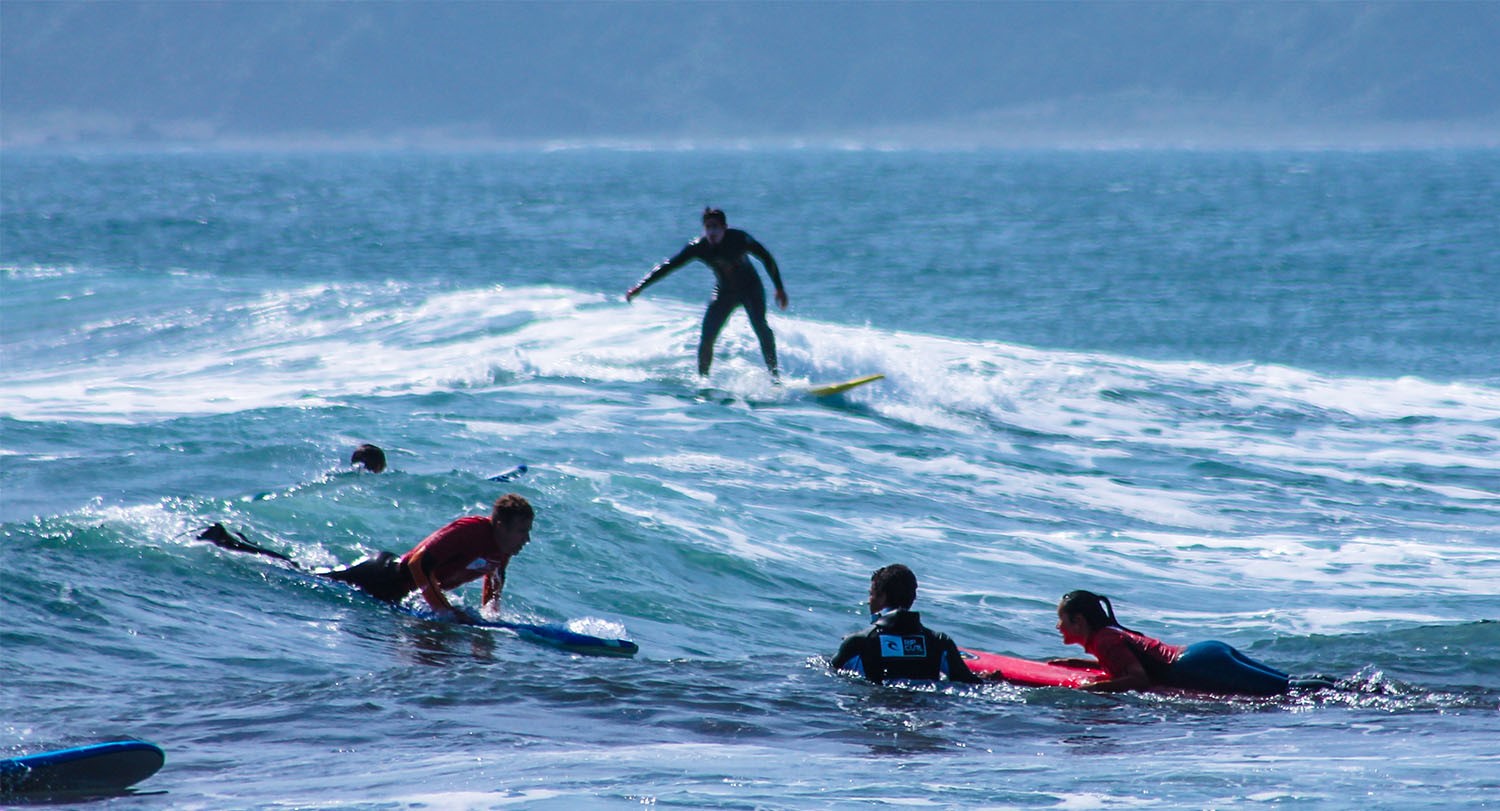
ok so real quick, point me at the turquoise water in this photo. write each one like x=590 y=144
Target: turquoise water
x=1252 y=396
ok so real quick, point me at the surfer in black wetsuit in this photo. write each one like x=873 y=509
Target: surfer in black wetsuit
x=897 y=645
x=727 y=251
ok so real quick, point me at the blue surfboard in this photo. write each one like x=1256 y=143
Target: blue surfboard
x=560 y=637
x=555 y=636
x=99 y=767
x=508 y=475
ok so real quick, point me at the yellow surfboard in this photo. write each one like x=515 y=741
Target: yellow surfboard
x=839 y=388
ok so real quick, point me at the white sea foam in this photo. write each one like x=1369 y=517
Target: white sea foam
x=1262 y=568
x=320 y=344
x=336 y=341
x=37 y=272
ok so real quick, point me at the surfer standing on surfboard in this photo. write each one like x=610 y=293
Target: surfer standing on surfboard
x=897 y=645
x=727 y=251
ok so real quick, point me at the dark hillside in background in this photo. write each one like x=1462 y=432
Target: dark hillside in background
x=462 y=71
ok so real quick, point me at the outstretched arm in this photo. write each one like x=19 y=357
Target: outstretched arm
x=759 y=252
x=1075 y=662
x=1125 y=672
x=660 y=271
x=957 y=669
x=1134 y=679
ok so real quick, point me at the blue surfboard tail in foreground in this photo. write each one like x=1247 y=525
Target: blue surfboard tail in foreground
x=96 y=768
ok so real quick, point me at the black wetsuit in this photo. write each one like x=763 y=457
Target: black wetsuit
x=737 y=284
x=384 y=576
x=897 y=646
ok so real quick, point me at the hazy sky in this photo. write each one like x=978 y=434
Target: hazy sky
x=929 y=72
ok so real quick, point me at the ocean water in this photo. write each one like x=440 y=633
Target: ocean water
x=1253 y=396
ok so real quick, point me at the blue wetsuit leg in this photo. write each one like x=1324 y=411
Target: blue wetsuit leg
x=1218 y=668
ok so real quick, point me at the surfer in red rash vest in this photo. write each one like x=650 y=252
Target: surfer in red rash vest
x=1135 y=661
x=465 y=550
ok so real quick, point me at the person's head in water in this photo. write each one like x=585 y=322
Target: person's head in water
x=368 y=457
x=512 y=517
x=1081 y=613
x=893 y=586
x=714 y=224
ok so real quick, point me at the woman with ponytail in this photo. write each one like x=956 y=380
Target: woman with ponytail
x=1135 y=661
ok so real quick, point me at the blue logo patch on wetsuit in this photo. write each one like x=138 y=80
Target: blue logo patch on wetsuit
x=902 y=647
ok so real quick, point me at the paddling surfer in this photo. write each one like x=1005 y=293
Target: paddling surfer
x=727 y=251
x=1135 y=661
x=897 y=645
x=467 y=549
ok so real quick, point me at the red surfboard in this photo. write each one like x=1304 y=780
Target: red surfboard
x=997 y=667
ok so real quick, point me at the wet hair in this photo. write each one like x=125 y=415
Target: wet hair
x=714 y=214
x=896 y=583
x=1096 y=609
x=369 y=457
x=510 y=507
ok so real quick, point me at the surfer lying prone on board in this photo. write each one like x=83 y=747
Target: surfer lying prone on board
x=1135 y=661
x=465 y=550
x=897 y=645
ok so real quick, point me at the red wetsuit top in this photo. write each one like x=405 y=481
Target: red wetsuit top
x=1116 y=649
x=461 y=552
